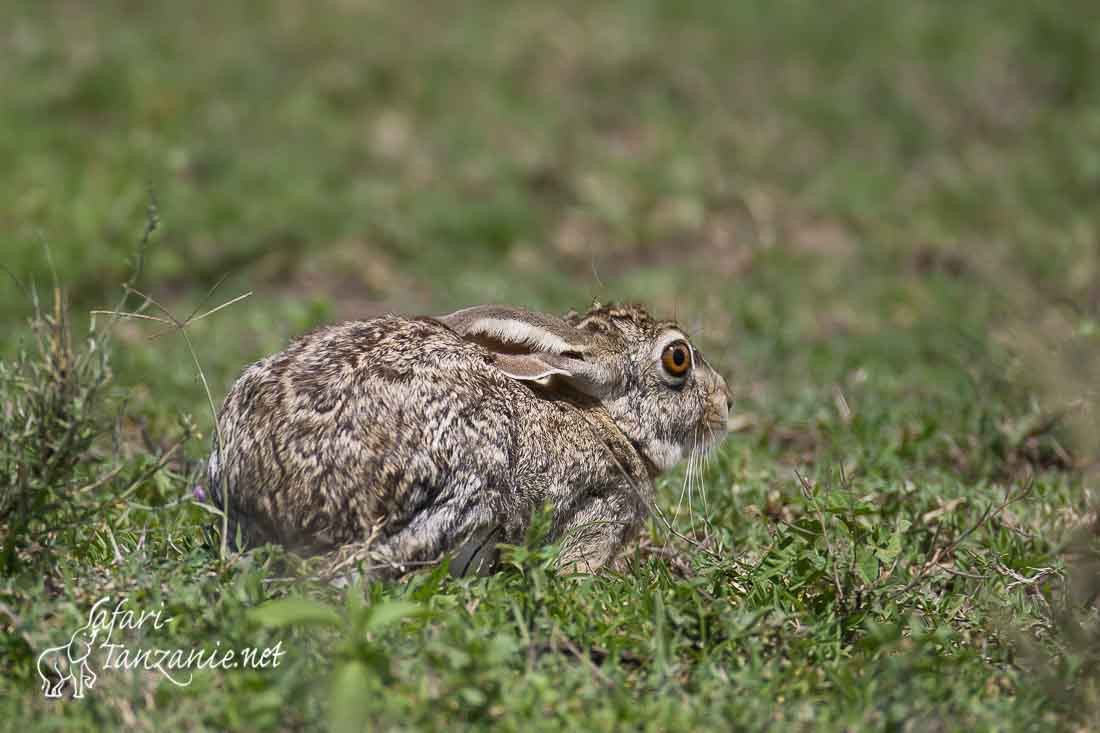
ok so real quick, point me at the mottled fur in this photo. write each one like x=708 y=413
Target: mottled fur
x=414 y=437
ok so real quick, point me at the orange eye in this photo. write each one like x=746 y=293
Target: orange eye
x=676 y=358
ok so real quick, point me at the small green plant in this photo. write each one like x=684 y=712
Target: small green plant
x=54 y=415
x=360 y=664
x=52 y=412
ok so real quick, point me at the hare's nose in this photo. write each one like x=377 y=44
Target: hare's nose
x=729 y=403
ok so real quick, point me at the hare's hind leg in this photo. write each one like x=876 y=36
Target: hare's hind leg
x=478 y=556
x=598 y=530
x=453 y=526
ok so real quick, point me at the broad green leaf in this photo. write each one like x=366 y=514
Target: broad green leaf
x=472 y=696
x=888 y=553
x=867 y=565
x=349 y=698
x=293 y=611
x=389 y=613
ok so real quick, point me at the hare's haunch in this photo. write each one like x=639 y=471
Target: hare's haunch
x=405 y=439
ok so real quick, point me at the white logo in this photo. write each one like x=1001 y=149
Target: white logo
x=71 y=663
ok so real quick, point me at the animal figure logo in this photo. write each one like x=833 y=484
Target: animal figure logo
x=59 y=665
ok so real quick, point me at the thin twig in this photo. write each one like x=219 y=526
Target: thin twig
x=141 y=316
x=1010 y=498
x=119 y=559
x=181 y=326
x=102 y=479
x=581 y=656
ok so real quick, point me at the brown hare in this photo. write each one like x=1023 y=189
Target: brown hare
x=408 y=439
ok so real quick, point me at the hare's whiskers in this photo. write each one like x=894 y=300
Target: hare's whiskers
x=693 y=463
x=683 y=491
x=708 y=458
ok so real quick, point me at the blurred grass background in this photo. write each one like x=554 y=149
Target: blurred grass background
x=857 y=208
x=775 y=172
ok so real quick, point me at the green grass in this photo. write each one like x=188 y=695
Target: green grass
x=877 y=219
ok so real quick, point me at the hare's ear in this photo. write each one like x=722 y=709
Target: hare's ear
x=591 y=379
x=503 y=329
x=533 y=346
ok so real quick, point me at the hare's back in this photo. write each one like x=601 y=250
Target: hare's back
x=365 y=424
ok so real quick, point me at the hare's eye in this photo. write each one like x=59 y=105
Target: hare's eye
x=676 y=358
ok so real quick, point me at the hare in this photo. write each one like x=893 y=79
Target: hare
x=407 y=439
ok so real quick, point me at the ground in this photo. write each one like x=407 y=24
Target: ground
x=877 y=220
